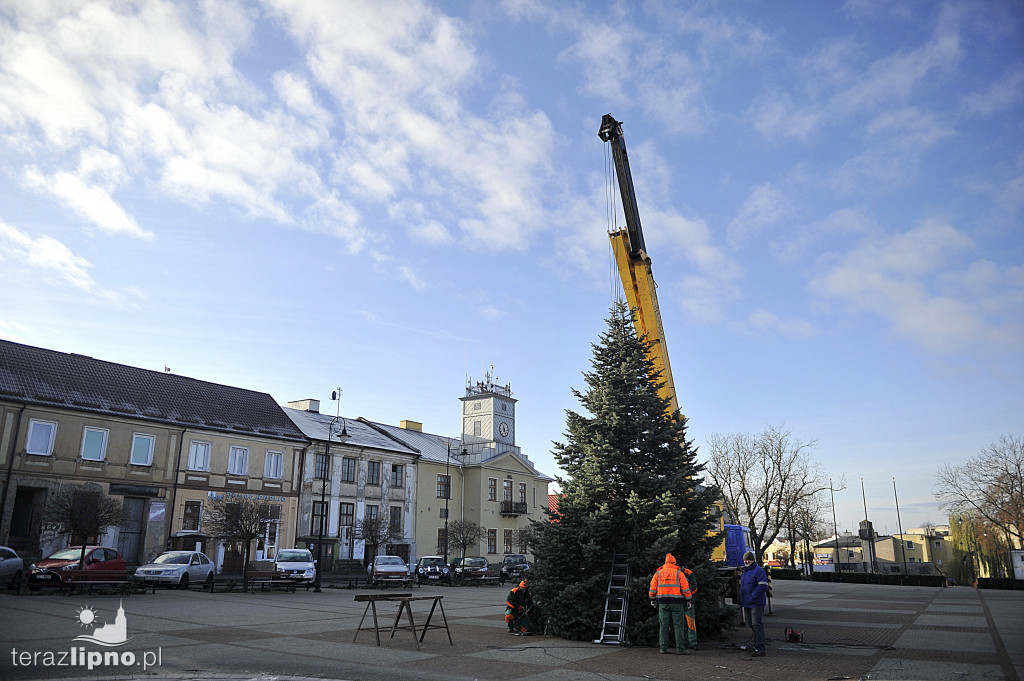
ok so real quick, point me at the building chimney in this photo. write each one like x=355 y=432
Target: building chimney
x=309 y=405
x=412 y=425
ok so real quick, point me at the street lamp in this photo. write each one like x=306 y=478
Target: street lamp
x=326 y=474
x=448 y=494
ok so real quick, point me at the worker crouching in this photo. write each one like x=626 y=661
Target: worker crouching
x=517 y=610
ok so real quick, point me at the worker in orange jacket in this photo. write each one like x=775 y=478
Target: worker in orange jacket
x=517 y=610
x=670 y=592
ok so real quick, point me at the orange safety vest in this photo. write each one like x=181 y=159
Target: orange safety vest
x=669 y=584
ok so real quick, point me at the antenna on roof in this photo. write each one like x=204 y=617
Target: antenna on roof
x=167 y=369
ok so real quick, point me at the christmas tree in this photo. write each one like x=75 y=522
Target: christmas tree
x=632 y=487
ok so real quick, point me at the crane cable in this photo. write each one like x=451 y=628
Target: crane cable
x=611 y=217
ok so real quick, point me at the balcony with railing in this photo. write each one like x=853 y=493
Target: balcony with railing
x=512 y=508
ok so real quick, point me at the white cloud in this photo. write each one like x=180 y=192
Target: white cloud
x=396 y=77
x=841 y=84
x=87 y=191
x=409 y=275
x=49 y=259
x=765 y=207
x=912 y=281
x=999 y=96
x=789 y=327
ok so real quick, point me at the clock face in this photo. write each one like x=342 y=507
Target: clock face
x=503 y=429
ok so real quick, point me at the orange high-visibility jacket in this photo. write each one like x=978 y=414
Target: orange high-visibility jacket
x=669 y=584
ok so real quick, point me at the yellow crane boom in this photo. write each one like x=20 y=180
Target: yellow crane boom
x=635 y=265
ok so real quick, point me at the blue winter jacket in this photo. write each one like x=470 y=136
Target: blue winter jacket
x=753 y=586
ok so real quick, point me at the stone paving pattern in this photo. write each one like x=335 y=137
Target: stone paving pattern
x=850 y=631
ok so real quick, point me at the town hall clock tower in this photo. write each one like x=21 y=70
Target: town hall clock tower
x=489 y=414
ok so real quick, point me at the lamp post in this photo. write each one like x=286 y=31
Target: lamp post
x=835 y=528
x=326 y=474
x=447 y=496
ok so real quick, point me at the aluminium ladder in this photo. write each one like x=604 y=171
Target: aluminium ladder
x=616 y=604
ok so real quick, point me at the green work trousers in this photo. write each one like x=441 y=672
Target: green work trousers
x=691 y=624
x=670 y=616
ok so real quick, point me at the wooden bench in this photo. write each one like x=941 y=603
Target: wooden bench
x=263 y=578
x=489 y=577
x=72 y=580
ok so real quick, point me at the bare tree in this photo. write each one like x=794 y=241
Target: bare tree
x=763 y=479
x=376 y=531
x=82 y=513
x=807 y=523
x=237 y=519
x=989 y=485
x=464 y=533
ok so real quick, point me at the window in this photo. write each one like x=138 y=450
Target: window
x=507 y=490
x=373 y=472
x=94 y=443
x=321 y=464
x=492 y=489
x=443 y=513
x=395 y=521
x=274 y=465
x=238 y=461
x=444 y=486
x=40 y=437
x=508 y=541
x=910 y=545
x=522 y=492
x=319 y=518
x=476 y=428
x=348 y=514
x=199 y=456
x=397 y=475
x=348 y=469
x=142 y=449
x=191 y=518
x=938 y=544
x=371 y=512
x=442 y=541
x=492 y=541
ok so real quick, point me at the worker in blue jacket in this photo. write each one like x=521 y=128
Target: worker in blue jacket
x=753 y=598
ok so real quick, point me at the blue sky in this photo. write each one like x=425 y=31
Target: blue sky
x=292 y=195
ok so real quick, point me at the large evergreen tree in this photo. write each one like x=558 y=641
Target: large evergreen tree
x=632 y=487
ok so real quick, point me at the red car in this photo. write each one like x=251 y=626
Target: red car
x=104 y=563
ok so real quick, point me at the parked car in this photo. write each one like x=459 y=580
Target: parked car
x=296 y=565
x=12 y=568
x=387 y=568
x=431 y=569
x=178 y=569
x=514 y=567
x=474 y=568
x=103 y=562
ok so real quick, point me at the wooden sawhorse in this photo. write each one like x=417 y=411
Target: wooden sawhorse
x=404 y=601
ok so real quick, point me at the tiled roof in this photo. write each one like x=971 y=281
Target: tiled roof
x=45 y=377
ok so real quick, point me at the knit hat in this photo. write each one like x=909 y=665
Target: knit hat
x=522 y=584
x=749 y=555
x=669 y=558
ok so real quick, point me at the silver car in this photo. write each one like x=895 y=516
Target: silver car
x=296 y=564
x=12 y=568
x=388 y=569
x=177 y=568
